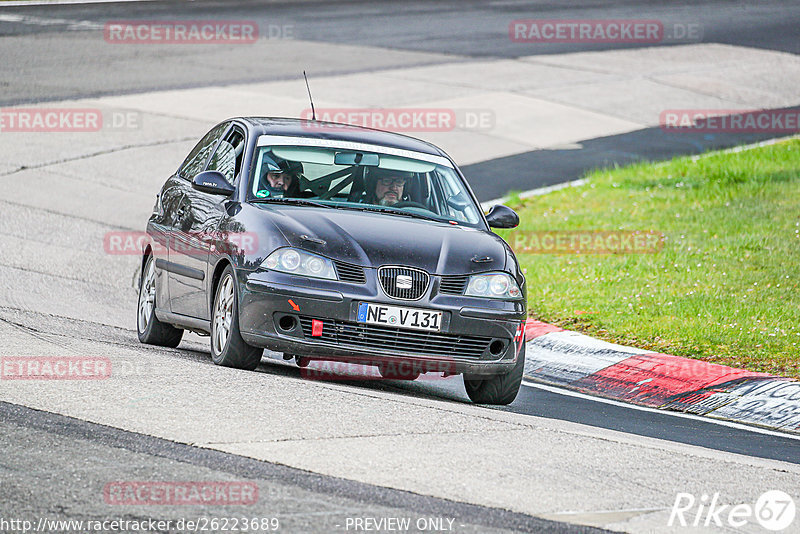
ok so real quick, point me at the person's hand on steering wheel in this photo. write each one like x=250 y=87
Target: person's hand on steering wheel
x=410 y=204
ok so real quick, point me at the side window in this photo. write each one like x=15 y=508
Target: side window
x=196 y=160
x=228 y=157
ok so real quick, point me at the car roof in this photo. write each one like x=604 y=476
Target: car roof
x=336 y=131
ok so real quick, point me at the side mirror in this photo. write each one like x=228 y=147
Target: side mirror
x=212 y=182
x=502 y=217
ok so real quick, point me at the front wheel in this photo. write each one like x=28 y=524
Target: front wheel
x=227 y=346
x=498 y=389
x=149 y=329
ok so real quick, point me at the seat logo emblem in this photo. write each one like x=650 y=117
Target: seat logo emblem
x=403 y=281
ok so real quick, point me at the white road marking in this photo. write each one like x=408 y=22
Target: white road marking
x=743 y=148
x=40 y=21
x=62 y=2
x=706 y=419
x=535 y=192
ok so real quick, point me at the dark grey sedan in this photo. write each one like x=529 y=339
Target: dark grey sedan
x=331 y=242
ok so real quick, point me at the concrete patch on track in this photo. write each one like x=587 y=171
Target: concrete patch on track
x=695 y=75
x=533 y=103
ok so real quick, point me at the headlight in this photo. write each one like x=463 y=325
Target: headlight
x=493 y=286
x=300 y=262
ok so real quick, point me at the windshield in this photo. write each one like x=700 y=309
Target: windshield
x=350 y=179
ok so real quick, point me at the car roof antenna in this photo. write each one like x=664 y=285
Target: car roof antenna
x=313 y=113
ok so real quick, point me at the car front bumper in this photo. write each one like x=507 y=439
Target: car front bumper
x=277 y=312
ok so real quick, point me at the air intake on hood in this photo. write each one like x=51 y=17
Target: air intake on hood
x=403 y=282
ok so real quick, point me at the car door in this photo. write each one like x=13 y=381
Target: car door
x=199 y=218
x=186 y=279
x=161 y=228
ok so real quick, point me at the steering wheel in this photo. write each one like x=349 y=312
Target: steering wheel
x=410 y=204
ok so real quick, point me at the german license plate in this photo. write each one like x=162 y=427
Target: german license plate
x=412 y=318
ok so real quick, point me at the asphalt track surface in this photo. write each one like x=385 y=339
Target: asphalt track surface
x=46 y=60
x=549 y=403
x=470 y=29
x=55 y=466
x=40 y=474
x=37 y=446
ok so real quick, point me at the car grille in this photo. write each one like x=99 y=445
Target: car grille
x=350 y=273
x=453 y=285
x=388 y=279
x=386 y=338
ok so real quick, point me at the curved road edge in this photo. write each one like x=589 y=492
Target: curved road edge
x=579 y=362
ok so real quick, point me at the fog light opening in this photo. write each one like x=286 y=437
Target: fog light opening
x=496 y=347
x=287 y=323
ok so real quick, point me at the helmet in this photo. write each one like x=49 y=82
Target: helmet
x=295 y=168
x=271 y=163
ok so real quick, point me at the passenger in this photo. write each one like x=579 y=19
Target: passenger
x=277 y=182
x=386 y=187
x=280 y=179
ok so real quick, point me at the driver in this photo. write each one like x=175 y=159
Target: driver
x=387 y=187
x=280 y=179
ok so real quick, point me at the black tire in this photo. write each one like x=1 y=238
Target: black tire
x=398 y=371
x=233 y=351
x=498 y=389
x=149 y=329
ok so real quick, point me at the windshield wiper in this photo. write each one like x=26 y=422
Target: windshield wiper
x=397 y=211
x=375 y=209
x=287 y=200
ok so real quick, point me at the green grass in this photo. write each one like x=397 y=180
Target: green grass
x=724 y=287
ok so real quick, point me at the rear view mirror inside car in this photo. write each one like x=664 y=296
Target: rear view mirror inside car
x=357 y=158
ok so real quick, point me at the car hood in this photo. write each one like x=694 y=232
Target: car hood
x=375 y=239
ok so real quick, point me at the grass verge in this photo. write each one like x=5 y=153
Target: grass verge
x=722 y=288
